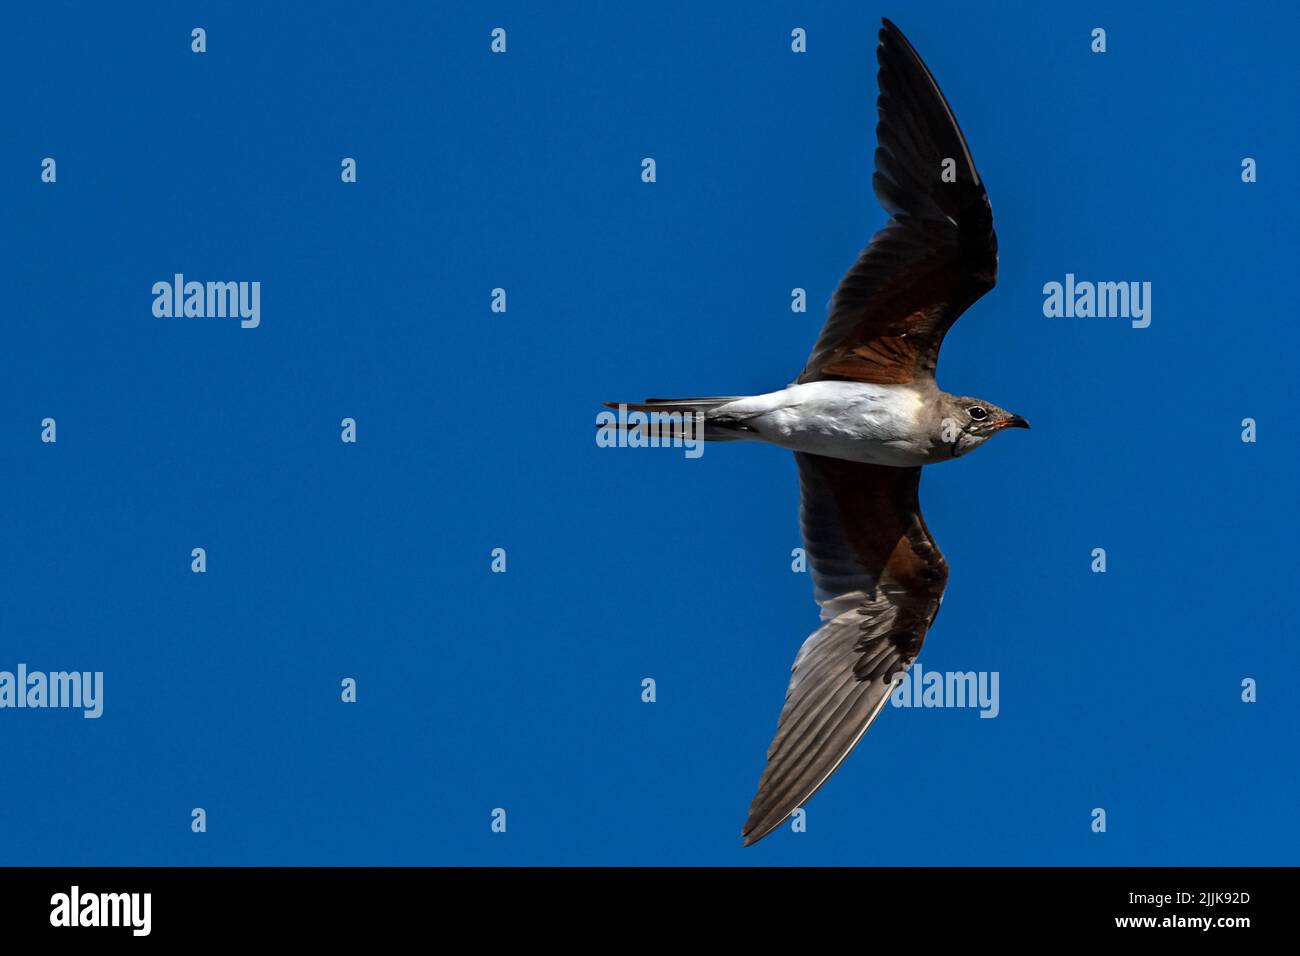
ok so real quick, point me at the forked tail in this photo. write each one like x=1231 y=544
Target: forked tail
x=676 y=418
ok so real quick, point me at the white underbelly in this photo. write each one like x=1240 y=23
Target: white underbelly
x=898 y=454
x=877 y=424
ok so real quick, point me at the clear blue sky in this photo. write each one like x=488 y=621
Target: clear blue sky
x=522 y=690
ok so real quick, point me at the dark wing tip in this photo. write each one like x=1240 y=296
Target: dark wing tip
x=889 y=29
x=892 y=38
x=924 y=170
x=916 y=130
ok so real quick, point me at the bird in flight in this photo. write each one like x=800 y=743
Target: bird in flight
x=863 y=418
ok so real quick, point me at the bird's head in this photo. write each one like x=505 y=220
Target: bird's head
x=967 y=423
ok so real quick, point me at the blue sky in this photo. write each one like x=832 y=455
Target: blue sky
x=522 y=690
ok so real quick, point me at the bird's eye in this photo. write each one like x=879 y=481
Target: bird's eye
x=976 y=413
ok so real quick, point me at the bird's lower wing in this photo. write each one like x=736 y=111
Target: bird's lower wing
x=879 y=579
x=828 y=708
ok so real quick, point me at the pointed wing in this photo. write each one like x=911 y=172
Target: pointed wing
x=937 y=254
x=879 y=578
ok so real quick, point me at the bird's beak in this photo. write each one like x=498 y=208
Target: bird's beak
x=1015 y=421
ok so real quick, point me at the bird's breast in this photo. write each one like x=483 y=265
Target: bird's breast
x=878 y=424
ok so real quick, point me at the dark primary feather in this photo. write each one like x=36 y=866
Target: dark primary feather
x=937 y=254
x=879 y=577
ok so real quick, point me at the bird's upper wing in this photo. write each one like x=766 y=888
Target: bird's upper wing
x=879 y=578
x=937 y=254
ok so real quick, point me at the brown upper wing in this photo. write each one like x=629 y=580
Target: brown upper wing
x=937 y=254
x=879 y=578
